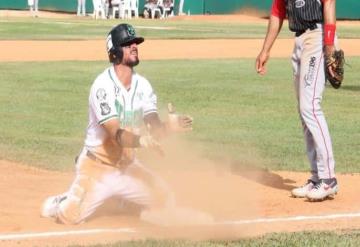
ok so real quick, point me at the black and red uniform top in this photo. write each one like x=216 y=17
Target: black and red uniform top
x=302 y=14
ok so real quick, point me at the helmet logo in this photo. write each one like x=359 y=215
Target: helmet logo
x=130 y=30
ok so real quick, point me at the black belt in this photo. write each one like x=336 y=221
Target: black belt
x=93 y=157
x=299 y=33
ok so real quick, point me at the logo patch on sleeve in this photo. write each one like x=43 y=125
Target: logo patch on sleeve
x=105 y=108
x=101 y=94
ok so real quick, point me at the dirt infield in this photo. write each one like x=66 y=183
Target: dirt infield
x=243 y=203
x=93 y=50
x=261 y=197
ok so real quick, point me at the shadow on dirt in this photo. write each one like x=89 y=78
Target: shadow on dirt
x=261 y=176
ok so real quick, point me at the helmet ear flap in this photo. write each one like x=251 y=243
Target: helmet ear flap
x=116 y=55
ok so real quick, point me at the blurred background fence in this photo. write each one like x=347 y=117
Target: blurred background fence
x=346 y=9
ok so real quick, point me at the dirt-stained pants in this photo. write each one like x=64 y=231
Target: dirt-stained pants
x=94 y=183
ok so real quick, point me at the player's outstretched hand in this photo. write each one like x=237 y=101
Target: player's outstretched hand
x=176 y=122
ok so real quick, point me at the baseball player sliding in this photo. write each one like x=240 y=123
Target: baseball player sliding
x=120 y=101
x=314 y=25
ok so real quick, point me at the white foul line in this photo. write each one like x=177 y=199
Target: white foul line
x=293 y=218
x=63 y=233
x=20 y=236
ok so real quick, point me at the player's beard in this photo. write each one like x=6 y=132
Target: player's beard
x=132 y=60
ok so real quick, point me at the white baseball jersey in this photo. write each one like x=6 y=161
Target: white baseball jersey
x=109 y=99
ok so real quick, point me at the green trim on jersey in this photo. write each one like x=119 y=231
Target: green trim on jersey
x=130 y=118
x=109 y=72
x=119 y=108
x=109 y=117
x=133 y=96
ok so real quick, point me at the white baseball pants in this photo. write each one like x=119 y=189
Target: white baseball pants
x=94 y=183
x=309 y=77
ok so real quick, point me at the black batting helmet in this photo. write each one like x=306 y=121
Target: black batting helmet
x=121 y=35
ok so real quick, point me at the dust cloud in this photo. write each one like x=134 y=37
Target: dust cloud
x=206 y=191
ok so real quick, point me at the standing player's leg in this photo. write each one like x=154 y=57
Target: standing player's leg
x=78 y=7
x=312 y=85
x=309 y=141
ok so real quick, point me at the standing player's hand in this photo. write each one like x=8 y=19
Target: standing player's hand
x=260 y=64
x=329 y=50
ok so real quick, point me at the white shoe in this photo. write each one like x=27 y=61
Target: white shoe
x=324 y=189
x=50 y=206
x=303 y=190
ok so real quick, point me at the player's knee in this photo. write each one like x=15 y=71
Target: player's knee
x=69 y=213
x=72 y=210
x=309 y=111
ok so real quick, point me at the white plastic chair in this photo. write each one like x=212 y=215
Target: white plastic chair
x=134 y=5
x=154 y=11
x=115 y=8
x=99 y=9
x=125 y=9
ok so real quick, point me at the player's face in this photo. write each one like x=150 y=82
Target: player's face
x=131 y=57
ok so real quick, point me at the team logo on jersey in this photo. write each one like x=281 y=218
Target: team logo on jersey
x=101 y=94
x=299 y=3
x=117 y=90
x=140 y=95
x=310 y=76
x=105 y=109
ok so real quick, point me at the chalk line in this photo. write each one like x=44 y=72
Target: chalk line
x=29 y=235
x=290 y=218
x=19 y=236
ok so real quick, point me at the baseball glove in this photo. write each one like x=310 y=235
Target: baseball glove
x=334 y=63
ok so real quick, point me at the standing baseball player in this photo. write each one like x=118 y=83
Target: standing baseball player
x=81 y=8
x=120 y=101
x=314 y=24
x=34 y=7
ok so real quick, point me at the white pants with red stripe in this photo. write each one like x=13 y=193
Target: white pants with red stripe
x=309 y=78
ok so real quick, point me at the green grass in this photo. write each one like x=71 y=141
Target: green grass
x=330 y=239
x=80 y=29
x=237 y=113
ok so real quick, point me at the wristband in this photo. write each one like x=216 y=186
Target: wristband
x=329 y=34
x=127 y=139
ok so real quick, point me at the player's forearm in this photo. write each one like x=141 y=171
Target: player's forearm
x=127 y=139
x=119 y=136
x=157 y=127
x=329 y=12
x=274 y=27
x=329 y=22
